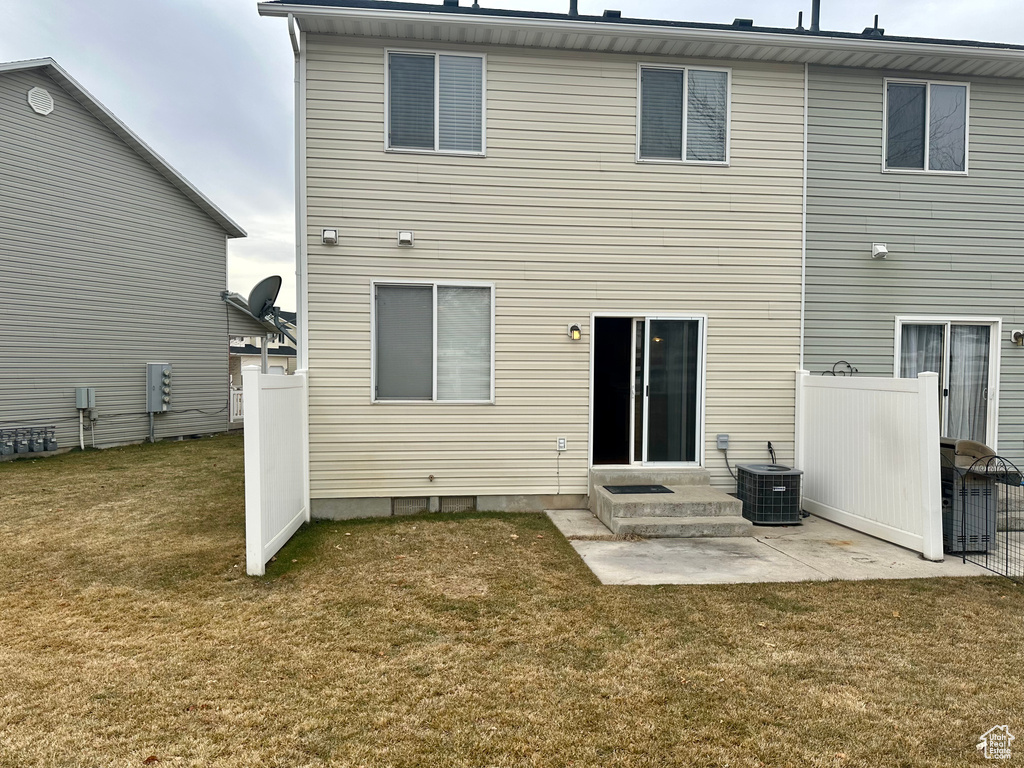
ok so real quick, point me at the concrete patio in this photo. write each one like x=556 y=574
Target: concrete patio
x=818 y=550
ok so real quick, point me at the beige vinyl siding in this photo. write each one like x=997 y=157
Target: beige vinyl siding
x=105 y=266
x=565 y=223
x=955 y=242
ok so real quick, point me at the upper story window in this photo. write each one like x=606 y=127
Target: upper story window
x=683 y=115
x=926 y=126
x=435 y=102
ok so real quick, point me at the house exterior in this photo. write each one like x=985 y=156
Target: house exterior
x=111 y=260
x=946 y=298
x=248 y=350
x=538 y=245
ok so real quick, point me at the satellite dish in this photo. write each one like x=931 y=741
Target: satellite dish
x=261 y=303
x=263 y=296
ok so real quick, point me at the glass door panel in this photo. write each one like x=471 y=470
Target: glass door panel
x=673 y=365
x=967 y=401
x=638 y=390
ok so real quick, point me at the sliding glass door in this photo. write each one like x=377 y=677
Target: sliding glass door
x=961 y=353
x=667 y=391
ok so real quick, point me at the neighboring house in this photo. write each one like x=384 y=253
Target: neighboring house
x=110 y=260
x=248 y=350
x=928 y=163
x=542 y=245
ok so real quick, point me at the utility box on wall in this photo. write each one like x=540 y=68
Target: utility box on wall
x=158 y=387
x=85 y=397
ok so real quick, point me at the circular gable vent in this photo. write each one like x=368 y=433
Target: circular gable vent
x=40 y=100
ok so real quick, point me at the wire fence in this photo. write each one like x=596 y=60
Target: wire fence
x=983 y=515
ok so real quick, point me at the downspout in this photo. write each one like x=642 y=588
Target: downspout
x=298 y=38
x=803 y=223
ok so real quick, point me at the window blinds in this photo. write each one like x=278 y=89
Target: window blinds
x=661 y=113
x=461 y=103
x=463 y=343
x=706 y=115
x=411 y=117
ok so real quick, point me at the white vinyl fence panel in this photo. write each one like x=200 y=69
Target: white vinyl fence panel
x=275 y=443
x=869 y=449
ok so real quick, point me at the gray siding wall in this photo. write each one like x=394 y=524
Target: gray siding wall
x=956 y=244
x=105 y=266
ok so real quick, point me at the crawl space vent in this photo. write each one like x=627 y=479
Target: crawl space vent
x=458 y=503
x=410 y=505
x=40 y=100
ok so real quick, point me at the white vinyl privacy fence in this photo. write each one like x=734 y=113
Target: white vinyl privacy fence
x=869 y=449
x=275 y=445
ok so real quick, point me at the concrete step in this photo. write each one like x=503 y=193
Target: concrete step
x=684 y=501
x=682 y=527
x=648 y=476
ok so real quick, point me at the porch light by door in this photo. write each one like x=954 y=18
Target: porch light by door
x=575 y=333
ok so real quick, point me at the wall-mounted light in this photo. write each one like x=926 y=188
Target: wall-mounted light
x=879 y=250
x=330 y=237
x=575 y=332
x=407 y=239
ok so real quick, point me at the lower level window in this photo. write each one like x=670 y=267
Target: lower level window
x=433 y=342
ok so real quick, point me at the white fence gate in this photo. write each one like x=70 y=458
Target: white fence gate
x=275 y=445
x=869 y=449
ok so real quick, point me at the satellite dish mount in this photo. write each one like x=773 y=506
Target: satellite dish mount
x=261 y=303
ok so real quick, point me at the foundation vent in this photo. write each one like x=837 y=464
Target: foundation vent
x=458 y=503
x=412 y=505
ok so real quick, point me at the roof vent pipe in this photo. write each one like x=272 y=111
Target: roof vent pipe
x=574 y=9
x=800 y=22
x=816 y=16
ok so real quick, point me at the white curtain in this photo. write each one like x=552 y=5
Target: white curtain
x=968 y=382
x=921 y=350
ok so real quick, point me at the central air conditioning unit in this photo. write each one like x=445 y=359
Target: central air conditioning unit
x=770 y=493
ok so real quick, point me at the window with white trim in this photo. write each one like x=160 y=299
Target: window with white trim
x=926 y=126
x=683 y=114
x=435 y=102
x=433 y=341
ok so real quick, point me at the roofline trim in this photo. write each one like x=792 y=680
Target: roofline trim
x=824 y=43
x=123 y=132
x=239 y=303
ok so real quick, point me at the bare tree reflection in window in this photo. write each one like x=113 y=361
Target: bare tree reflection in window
x=947 y=135
x=706 y=115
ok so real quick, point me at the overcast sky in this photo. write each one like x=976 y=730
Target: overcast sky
x=208 y=83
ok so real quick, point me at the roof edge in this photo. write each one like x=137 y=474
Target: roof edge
x=644 y=28
x=122 y=131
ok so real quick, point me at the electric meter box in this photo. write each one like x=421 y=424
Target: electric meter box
x=158 y=387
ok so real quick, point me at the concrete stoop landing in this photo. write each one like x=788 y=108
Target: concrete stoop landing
x=693 y=510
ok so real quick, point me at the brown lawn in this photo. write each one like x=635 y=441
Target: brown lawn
x=128 y=631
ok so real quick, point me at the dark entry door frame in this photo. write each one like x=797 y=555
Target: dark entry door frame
x=639 y=394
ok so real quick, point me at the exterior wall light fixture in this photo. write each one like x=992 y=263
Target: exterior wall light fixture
x=575 y=332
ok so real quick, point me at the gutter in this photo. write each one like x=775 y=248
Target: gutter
x=813 y=44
